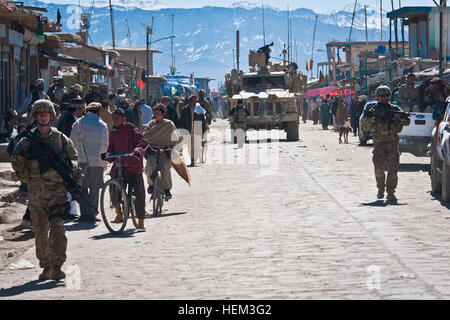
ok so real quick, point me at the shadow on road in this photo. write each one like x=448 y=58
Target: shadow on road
x=126 y=234
x=381 y=203
x=25 y=236
x=35 y=285
x=437 y=197
x=412 y=167
x=164 y=215
x=80 y=226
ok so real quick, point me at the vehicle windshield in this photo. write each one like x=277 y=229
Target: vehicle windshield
x=264 y=82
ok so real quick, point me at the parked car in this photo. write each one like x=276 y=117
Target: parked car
x=440 y=156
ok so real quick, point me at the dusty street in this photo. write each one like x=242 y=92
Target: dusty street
x=298 y=221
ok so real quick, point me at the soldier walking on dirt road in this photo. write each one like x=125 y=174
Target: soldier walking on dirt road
x=385 y=137
x=46 y=189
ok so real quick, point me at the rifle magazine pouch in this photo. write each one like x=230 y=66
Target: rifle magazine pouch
x=34 y=168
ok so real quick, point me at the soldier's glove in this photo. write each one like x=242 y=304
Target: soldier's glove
x=103 y=156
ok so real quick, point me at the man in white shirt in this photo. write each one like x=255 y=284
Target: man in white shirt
x=90 y=139
x=146 y=113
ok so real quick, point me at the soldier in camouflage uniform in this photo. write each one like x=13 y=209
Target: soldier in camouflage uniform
x=47 y=199
x=385 y=138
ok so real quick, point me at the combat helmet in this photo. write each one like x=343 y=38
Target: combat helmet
x=383 y=91
x=43 y=105
x=201 y=92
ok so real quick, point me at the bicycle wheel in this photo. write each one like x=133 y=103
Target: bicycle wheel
x=117 y=200
x=132 y=201
x=158 y=195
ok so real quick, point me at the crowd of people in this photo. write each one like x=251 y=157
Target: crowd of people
x=338 y=110
x=83 y=130
x=101 y=122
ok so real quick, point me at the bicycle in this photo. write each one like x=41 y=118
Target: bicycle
x=117 y=193
x=158 y=196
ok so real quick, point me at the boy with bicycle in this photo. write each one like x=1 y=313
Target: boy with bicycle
x=126 y=138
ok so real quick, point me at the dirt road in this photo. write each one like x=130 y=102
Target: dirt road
x=296 y=220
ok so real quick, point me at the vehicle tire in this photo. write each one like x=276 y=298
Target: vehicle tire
x=362 y=138
x=158 y=195
x=132 y=201
x=446 y=182
x=292 y=130
x=114 y=189
x=435 y=175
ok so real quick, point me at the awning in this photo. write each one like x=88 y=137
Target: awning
x=62 y=57
x=319 y=91
x=407 y=11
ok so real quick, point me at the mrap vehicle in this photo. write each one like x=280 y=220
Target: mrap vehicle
x=272 y=92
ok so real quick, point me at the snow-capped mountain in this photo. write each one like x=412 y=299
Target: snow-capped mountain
x=205 y=37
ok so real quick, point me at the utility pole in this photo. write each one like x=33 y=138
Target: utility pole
x=395 y=26
x=353 y=18
x=288 y=42
x=381 y=21
x=237 y=50
x=367 y=34
x=172 y=68
x=148 y=32
x=264 y=28
x=112 y=24
x=312 y=51
x=129 y=34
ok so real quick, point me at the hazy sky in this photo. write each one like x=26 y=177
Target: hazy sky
x=318 y=6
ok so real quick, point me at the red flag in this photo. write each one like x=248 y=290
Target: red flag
x=321 y=79
x=140 y=84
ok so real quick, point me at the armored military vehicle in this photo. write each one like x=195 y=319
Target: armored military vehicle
x=270 y=91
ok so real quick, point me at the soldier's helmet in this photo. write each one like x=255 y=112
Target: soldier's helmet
x=43 y=105
x=383 y=91
x=201 y=92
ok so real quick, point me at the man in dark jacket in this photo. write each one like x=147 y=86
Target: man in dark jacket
x=325 y=113
x=192 y=116
x=70 y=116
x=93 y=95
x=171 y=113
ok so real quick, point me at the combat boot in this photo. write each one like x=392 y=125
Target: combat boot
x=391 y=197
x=57 y=273
x=46 y=274
x=141 y=224
x=380 y=194
x=119 y=216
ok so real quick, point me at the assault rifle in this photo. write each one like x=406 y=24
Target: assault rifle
x=385 y=114
x=50 y=159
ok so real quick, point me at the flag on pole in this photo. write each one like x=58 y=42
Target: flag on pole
x=321 y=79
x=309 y=63
x=192 y=78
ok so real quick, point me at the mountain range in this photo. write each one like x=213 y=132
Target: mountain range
x=205 y=37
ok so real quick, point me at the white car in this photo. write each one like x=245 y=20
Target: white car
x=416 y=137
x=440 y=157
